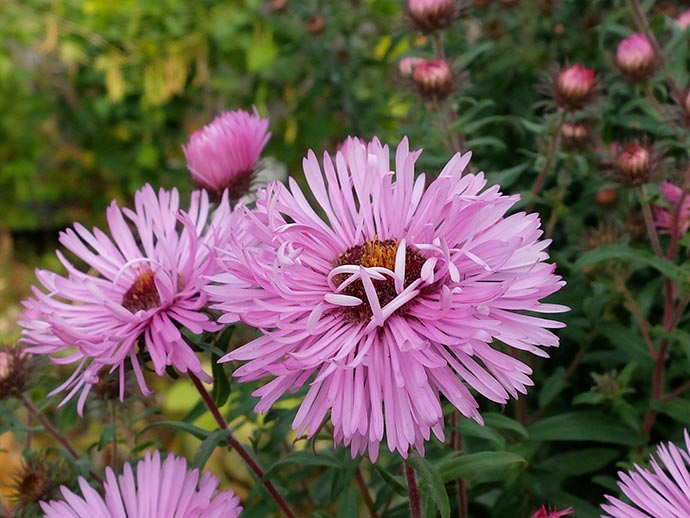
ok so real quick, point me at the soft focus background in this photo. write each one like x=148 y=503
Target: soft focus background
x=97 y=97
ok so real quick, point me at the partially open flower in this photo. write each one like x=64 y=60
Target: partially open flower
x=574 y=87
x=666 y=219
x=433 y=79
x=553 y=513
x=223 y=154
x=635 y=162
x=635 y=58
x=432 y=15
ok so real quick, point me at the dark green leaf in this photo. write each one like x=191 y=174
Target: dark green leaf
x=583 y=426
x=431 y=483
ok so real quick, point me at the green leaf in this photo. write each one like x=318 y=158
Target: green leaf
x=395 y=483
x=583 y=426
x=621 y=252
x=503 y=422
x=197 y=432
x=580 y=462
x=552 y=387
x=221 y=382
x=470 y=428
x=307 y=458
x=207 y=446
x=348 y=505
x=678 y=409
x=431 y=482
x=480 y=467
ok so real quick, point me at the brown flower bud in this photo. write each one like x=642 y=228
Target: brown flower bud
x=432 y=15
x=433 y=79
x=573 y=87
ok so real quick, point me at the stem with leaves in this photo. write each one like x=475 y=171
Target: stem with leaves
x=49 y=428
x=239 y=448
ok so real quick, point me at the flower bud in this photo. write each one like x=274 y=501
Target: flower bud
x=433 y=79
x=553 y=513
x=574 y=86
x=606 y=196
x=407 y=65
x=315 y=24
x=574 y=135
x=634 y=164
x=635 y=58
x=38 y=480
x=223 y=154
x=432 y=15
x=16 y=368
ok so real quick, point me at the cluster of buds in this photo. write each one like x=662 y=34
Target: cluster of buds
x=432 y=15
x=433 y=78
x=572 y=88
x=635 y=58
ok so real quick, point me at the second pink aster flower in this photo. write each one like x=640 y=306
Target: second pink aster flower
x=391 y=298
x=141 y=288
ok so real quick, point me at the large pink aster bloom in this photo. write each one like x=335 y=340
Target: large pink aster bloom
x=664 y=218
x=158 y=489
x=223 y=154
x=141 y=288
x=396 y=295
x=662 y=492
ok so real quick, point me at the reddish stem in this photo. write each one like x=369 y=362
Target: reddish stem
x=415 y=496
x=364 y=490
x=48 y=426
x=239 y=448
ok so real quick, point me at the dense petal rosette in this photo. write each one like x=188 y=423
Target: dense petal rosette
x=662 y=492
x=158 y=489
x=395 y=295
x=223 y=154
x=141 y=288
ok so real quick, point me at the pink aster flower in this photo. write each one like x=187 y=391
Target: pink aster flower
x=664 y=217
x=158 y=489
x=140 y=288
x=223 y=154
x=395 y=296
x=662 y=492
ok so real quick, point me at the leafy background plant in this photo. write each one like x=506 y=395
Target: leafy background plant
x=97 y=97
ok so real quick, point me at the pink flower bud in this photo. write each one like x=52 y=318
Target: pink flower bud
x=634 y=162
x=635 y=57
x=553 y=513
x=433 y=79
x=574 y=134
x=431 y=15
x=574 y=86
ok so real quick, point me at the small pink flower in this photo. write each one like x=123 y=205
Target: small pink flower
x=431 y=15
x=553 y=513
x=660 y=492
x=433 y=79
x=158 y=489
x=575 y=86
x=636 y=58
x=140 y=288
x=683 y=20
x=386 y=295
x=664 y=217
x=223 y=154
